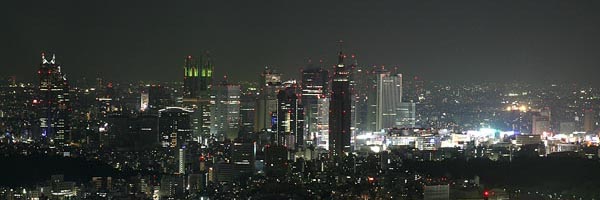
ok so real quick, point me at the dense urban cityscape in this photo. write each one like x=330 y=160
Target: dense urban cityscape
x=342 y=131
x=471 y=100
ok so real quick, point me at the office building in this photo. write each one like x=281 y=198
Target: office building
x=174 y=127
x=340 y=110
x=290 y=119
x=53 y=103
x=226 y=111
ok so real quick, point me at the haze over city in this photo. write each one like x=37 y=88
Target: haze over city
x=438 y=40
x=434 y=100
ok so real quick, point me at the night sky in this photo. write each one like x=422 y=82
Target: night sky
x=438 y=40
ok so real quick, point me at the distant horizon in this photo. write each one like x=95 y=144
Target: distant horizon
x=92 y=79
x=483 y=40
x=296 y=76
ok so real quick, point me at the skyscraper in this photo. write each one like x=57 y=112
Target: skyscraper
x=290 y=119
x=197 y=83
x=53 y=102
x=315 y=86
x=197 y=78
x=377 y=100
x=361 y=85
x=406 y=115
x=206 y=75
x=190 y=78
x=340 y=110
x=248 y=108
x=226 y=111
x=158 y=98
x=174 y=127
x=389 y=99
x=266 y=105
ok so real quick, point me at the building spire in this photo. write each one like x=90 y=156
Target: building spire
x=341 y=54
x=44 y=61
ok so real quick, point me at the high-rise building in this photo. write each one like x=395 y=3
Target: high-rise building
x=290 y=119
x=315 y=86
x=248 y=108
x=197 y=83
x=243 y=156
x=226 y=111
x=174 y=126
x=266 y=105
x=181 y=160
x=144 y=101
x=197 y=77
x=363 y=107
x=406 y=115
x=206 y=75
x=53 y=102
x=320 y=138
x=589 y=120
x=389 y=99
x=158 y=98
x=340 y=110
x=190 y=78
x=377 y=100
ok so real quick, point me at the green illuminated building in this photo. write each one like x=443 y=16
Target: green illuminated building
x=197 y=82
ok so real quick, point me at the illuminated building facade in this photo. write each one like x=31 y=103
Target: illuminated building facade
x=197 y=83
x=290 y=119
x=389 y=99
x=197 y=78
x=315 y=86
x=266 y=106
x=243 y=156
x=53 y=102
x=226 y=111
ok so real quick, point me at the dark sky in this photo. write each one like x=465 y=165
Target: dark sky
x=447 y=40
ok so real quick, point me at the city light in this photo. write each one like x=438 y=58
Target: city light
x=300 y=100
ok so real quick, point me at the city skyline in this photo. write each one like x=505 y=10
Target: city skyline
x=470 y=40
x=431 y=100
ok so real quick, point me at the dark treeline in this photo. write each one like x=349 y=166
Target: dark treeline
x=564 y=175
x=28 y=170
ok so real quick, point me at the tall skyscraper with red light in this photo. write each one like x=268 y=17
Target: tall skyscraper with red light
x=340 y=110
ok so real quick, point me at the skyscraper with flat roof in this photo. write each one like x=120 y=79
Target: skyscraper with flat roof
x=266 y=105
x=389 y=99
x=226 y=111
x=174 y=127
x=315 y=87
x=290 y=119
